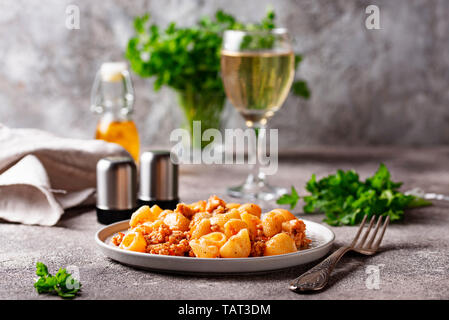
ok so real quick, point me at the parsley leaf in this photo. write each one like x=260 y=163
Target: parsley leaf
x=63 y=284
x=345 y=199
x=290 y=199
x=41 y=269
x=301 y=89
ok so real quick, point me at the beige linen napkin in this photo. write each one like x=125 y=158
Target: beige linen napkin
x=41 y=174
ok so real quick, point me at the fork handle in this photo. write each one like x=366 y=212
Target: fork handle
x=317 y=277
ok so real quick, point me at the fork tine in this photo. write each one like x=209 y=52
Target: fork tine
x=373 y=236
x=384 y=227
x=359 y=231
x=365 y=235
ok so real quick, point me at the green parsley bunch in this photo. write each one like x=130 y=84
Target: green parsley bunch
x=189 y=58
x=62 y=283
x=345 y=199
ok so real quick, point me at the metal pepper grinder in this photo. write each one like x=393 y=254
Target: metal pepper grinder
x=116 y=189
x=158 y=183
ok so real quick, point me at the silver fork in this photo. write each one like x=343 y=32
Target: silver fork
x=317 y=277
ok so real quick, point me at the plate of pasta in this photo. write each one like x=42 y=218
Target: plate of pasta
x=214 y=237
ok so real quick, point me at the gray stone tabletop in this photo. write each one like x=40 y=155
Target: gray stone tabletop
x=412 y=265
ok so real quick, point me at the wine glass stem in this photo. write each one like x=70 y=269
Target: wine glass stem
x=257 y=175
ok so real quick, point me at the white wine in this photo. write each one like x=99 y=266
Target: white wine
x=257 y=83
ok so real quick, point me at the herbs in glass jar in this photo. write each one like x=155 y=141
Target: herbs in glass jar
x=187 y=59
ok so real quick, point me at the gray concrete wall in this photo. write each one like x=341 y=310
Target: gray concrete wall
x=388 y=86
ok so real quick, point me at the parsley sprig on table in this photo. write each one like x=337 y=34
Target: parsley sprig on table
x=345 y=199
x=62 y=283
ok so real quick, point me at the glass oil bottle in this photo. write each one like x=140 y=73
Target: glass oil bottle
x=113 y=98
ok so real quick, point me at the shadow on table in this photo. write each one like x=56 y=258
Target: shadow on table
x=428 y=216
x=66 y=219
x=348 y=264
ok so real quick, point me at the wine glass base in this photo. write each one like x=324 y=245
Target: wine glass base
x=256 y=191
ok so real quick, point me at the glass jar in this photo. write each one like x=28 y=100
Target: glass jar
x=113 y=98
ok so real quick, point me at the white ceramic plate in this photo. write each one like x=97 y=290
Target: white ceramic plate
x=321 y=236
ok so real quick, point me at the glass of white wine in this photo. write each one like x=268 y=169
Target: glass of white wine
x=257 y=68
